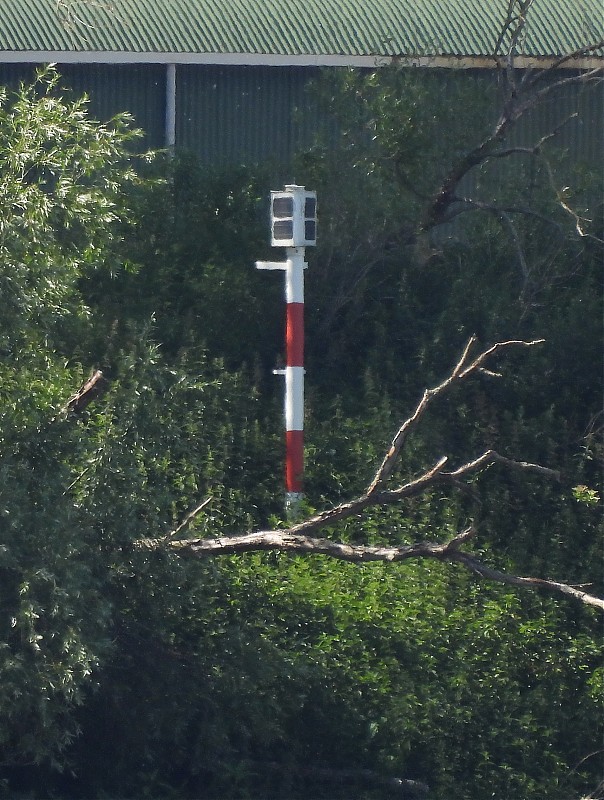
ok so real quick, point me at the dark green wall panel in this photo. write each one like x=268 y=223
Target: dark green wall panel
x=244 y=114
x=252 y=114
x=112 y=88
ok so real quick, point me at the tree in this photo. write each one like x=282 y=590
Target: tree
x=300 y=538
x=63 y=182
x=499 y=168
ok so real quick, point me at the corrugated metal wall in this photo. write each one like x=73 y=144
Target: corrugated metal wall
x=112 y=88
x=236 y=115
x=240 y=115
x=139 y=89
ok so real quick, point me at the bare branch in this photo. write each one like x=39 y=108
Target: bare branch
x=391 y=457
x=486 y=354
x=301 y=544
x=467 y=204
x=91 y=390
x=492 y=457
x=188 y=519
x=514 y=22
x=584 y=77
x=569 y=57
x=579 y=220
x=435 y=476
x=462 y=537
x=521 y=97
x=301 y=538
x=535 y=149
x=461 y=371
x=484 y=571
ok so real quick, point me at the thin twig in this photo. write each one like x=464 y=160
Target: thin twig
x=188 y=519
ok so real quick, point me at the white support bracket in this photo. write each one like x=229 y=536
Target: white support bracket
x=271 y=264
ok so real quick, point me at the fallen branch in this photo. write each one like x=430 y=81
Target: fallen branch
x=302 y=539
x=301 y=544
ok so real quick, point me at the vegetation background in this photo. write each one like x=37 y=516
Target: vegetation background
x=129 y=673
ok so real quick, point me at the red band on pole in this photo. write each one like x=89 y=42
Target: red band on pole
x=294 y=335
x=294 y=460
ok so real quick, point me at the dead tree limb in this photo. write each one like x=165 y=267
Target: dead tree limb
x=188 y=519
x=91 y=390
x=302 y=538
x=520 y=96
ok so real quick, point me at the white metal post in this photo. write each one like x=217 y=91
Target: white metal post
x=170 y=121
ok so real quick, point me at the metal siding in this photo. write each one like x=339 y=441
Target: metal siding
x=138 y=89
x=11 y=75
x=243 y=115
x=234 y=115
x=230 y=115
x=292 y=27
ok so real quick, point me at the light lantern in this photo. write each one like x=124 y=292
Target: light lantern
x=293 y=217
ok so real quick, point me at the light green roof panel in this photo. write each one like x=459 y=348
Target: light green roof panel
x=292 y=27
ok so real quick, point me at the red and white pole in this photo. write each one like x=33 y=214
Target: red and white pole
x=294 y=376
x=294 y=268
x=293 y=226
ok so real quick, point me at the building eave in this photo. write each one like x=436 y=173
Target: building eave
x=287 y=60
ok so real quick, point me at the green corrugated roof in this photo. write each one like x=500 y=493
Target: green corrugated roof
x=292 y=27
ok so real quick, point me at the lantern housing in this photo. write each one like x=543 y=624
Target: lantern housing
x=293 y=217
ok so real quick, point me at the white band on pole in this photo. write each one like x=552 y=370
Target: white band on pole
x=294 y=398
x=294 y=275
x=170 y=120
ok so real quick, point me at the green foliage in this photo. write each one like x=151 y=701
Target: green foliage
x=79 y=489
x=135 y=673
x=583 y=494
x=191 y=255
x=62 y=180
x=62 y=191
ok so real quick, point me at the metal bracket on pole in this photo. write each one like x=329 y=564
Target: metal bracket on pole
x=271 y=264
